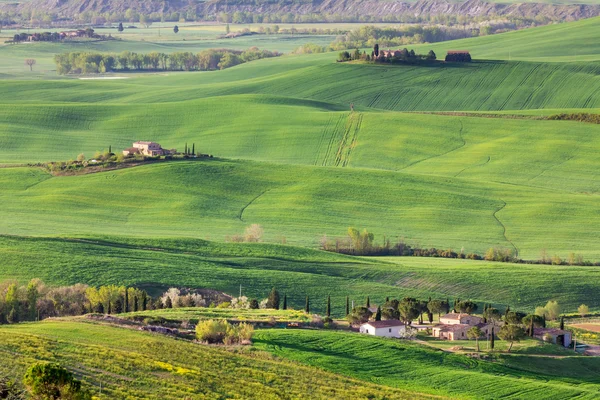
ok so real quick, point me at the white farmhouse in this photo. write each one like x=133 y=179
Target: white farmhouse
x=389 y=328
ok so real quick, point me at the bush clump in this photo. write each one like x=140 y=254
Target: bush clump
x=222 y=332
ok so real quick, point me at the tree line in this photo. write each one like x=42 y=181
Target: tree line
x=207 y=60
x=37 y=301
x=403 y=56
x=363 y=244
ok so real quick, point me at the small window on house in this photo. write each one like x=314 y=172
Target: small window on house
x=390 y=329
x=462 y=334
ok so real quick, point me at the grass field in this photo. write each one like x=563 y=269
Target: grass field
x=157 y=264
x=566 y=42
x=415 y=367
x=119 y=363
x=298 y=203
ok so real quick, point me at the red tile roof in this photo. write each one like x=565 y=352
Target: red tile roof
x=385 y=324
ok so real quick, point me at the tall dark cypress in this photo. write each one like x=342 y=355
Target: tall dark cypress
x=328 y=308
x=347 y=306
x=531 y=327
x=562 y=322
x=307 y=306
x=378 y=314
x=193 y=148
x=284 y=302
x=108 y=307
x=368 y=302
x=126 y=305
x=492 y=339
x=135 y=303
x=144 y=301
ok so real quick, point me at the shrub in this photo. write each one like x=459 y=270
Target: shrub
x=221 y=331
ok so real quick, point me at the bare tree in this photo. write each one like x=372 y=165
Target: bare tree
x=30 y=62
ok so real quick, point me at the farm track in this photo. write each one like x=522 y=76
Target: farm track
x=504 y=227
x=475 y=165
x=349 y=139
x=460 y=135
x=338 y=130
x=241 y=214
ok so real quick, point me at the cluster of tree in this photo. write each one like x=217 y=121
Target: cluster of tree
x=407 y=310
x=36 y=301
x=458 y=57
x=91 y=63
x=221 y=331
x=581 y=117
x=362 y=244
x=56 y=36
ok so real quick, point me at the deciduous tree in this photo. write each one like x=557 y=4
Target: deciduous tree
x=511 y=333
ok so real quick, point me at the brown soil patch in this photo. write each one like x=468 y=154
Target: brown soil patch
x=588 y=327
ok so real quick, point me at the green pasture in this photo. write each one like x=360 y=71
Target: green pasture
x=121 y=363
x=412 y=366
x=300 y=204
x=157 y=264
x=562 y=42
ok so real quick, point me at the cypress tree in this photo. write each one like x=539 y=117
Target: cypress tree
x=168 y=302
x=562 y=322
x=135 y=303
x=378 y=315
x=328 y=308
x=193 y=148
x=273 y=300
x=118 y=306
x=387 y=299
x=126 y=299
x=108 y=311
x=347 y=306
x=544 y=320
x=284 y=302
x=531 y=327
x=368 y=302
x=144 y=301
x=447 y=306
x=121 y=29
x=110 y=149
x=307 y=306
x=492 y=339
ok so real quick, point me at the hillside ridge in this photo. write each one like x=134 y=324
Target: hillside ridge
x=557 y=12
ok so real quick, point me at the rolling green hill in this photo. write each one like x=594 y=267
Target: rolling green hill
x=156 y=264
x=566 y=42
x=412 y=366
x=220 y=198
x=120 y=363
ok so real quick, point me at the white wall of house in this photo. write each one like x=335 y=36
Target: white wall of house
x=391 y=331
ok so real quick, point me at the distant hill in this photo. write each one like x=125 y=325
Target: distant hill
x=563 y=11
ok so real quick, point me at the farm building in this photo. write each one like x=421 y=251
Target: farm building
x=458 y=331
x=460 y=318
x=553 y=335
x=151 y=149
x=389 y=328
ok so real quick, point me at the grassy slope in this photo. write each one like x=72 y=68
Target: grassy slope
x=566 y=42
x=284 y=130
x=409 y=365
x=133 y=364
x=294 y=271
x=480 y=86
x=219 y=198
